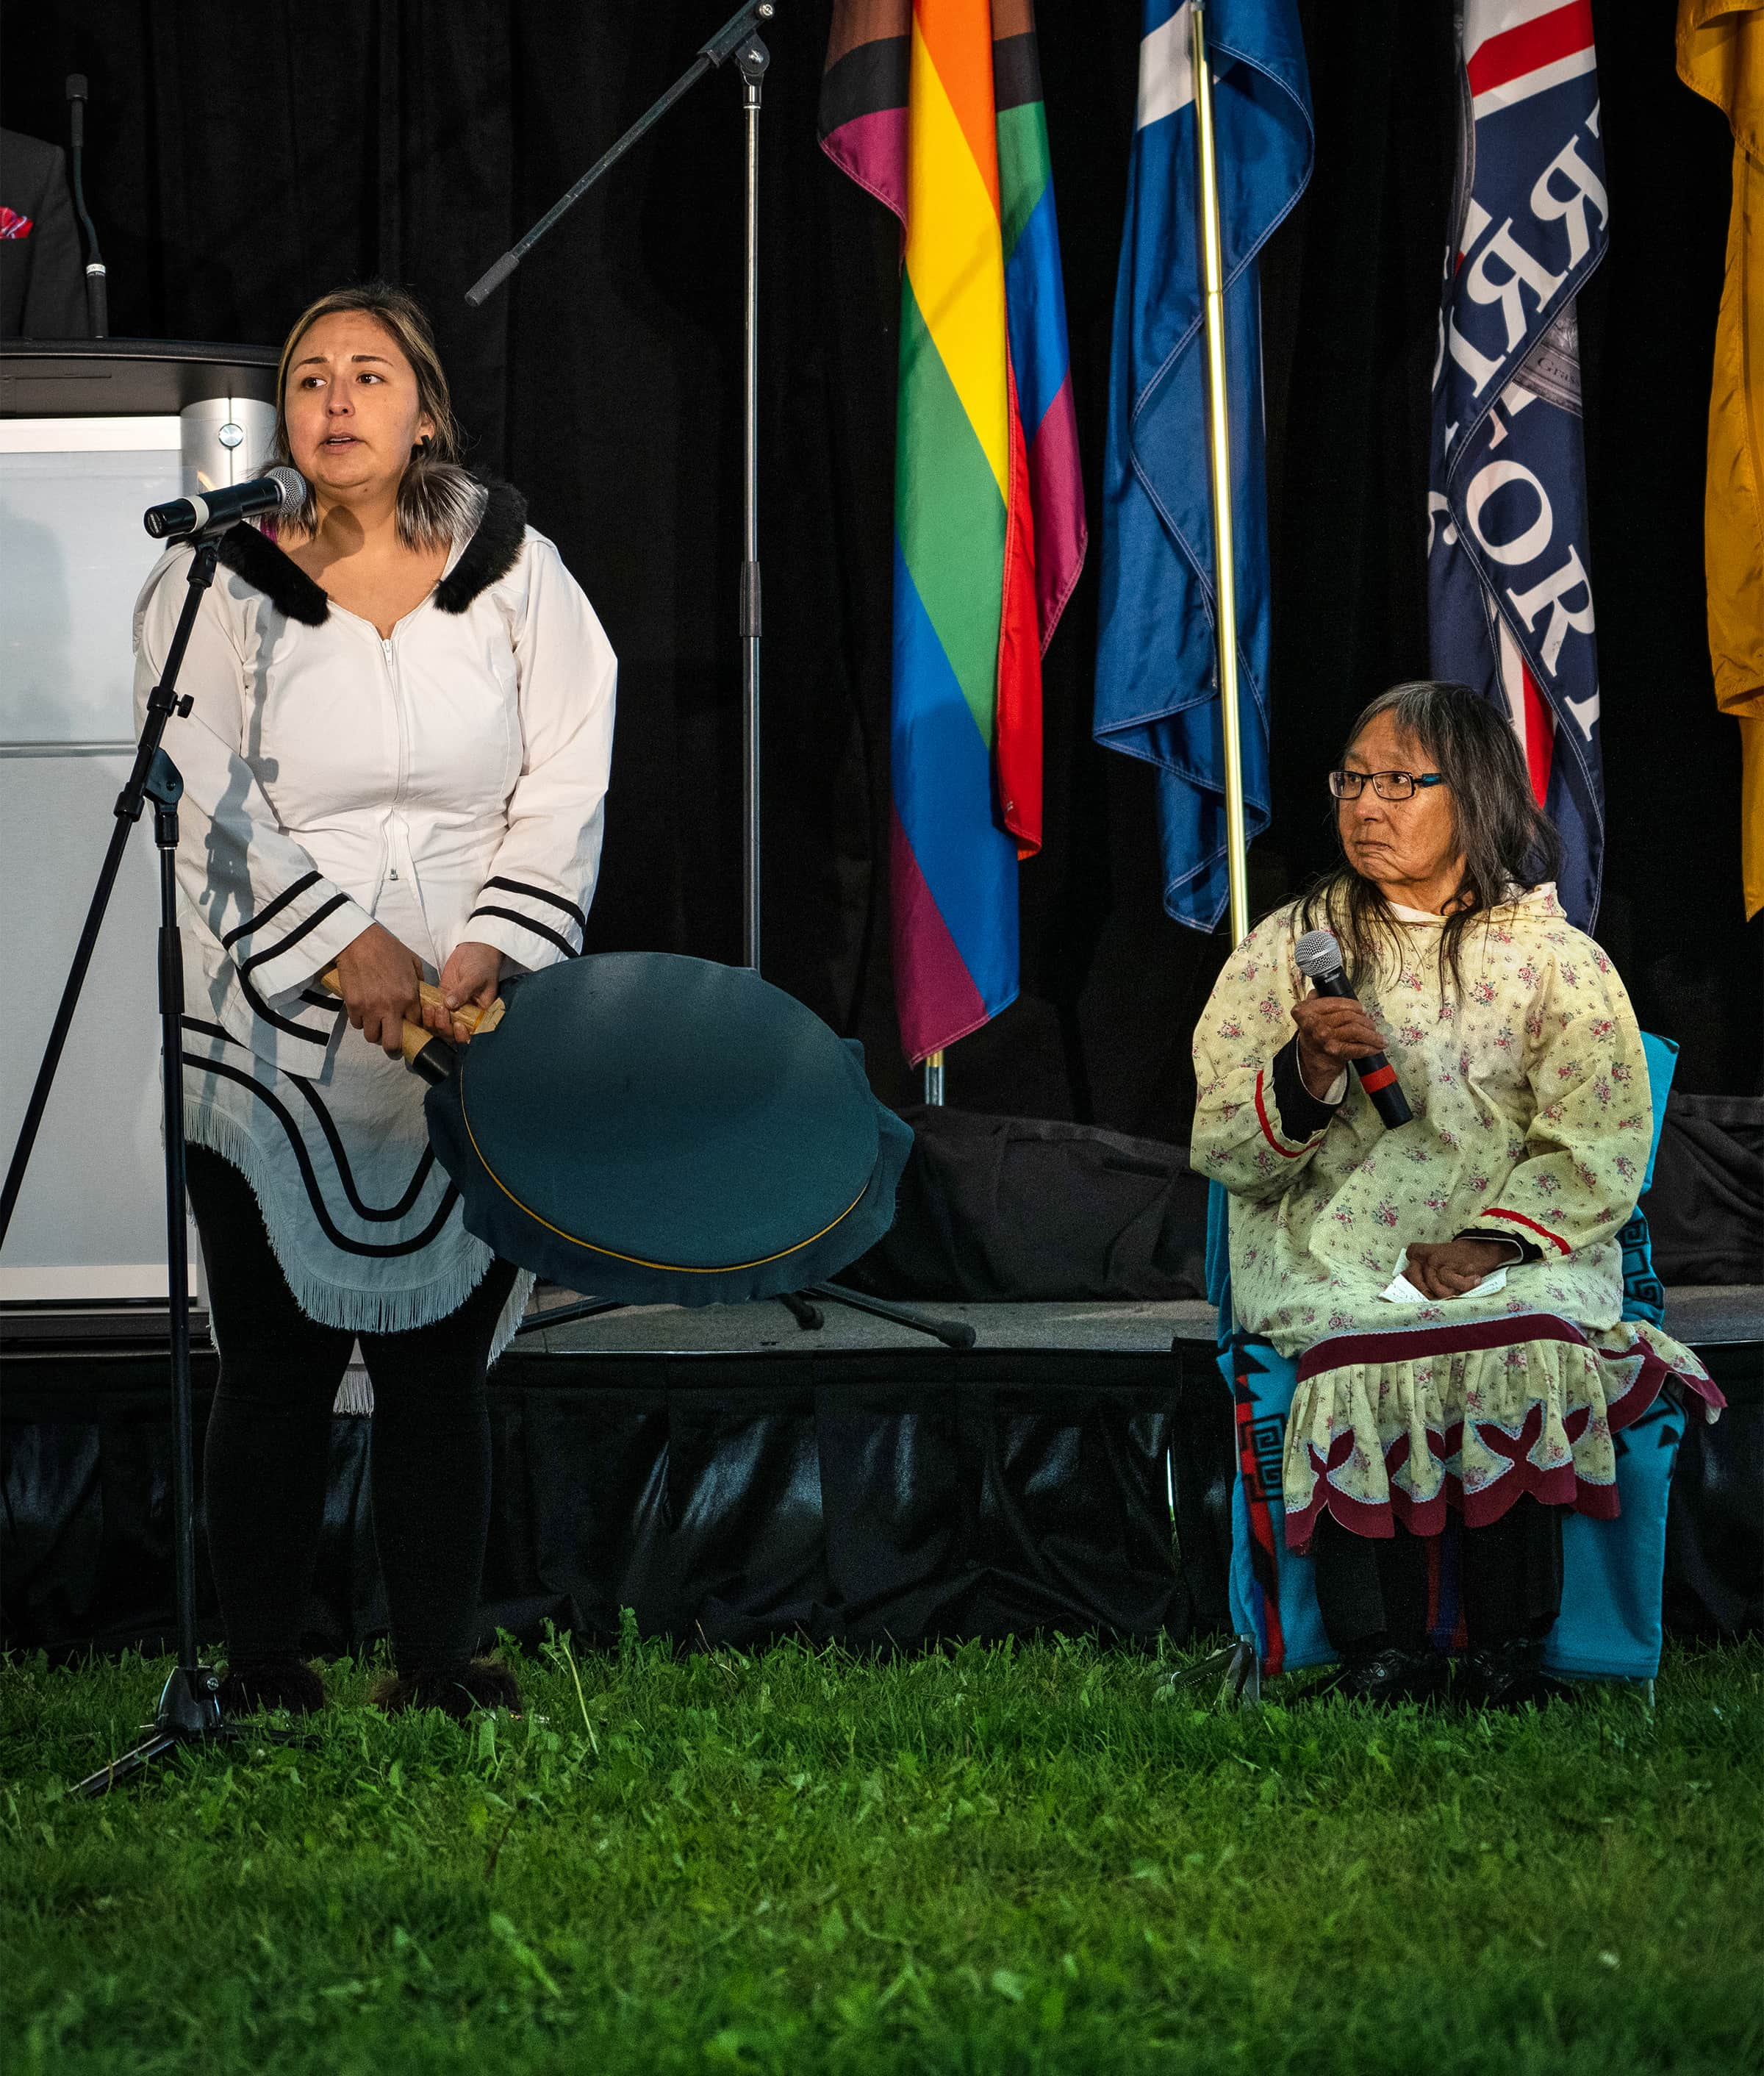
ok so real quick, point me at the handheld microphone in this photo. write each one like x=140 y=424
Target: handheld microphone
x=97 y=314
x=1319 y=959
x=282 y=490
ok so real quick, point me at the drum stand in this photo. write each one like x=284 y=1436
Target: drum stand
x=190 y=1708
x=953 y=1333
x=738 y=40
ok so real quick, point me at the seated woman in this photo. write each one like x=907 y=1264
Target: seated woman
x=1518 y=1049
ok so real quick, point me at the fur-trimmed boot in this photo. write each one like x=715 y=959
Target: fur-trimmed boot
x=283 y=1680
x=456 y=1690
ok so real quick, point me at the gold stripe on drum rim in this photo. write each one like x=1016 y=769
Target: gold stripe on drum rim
x=636 y=1260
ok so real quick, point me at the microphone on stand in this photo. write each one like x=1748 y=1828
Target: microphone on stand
x=1319 y=959
x=97 y=308
x=282 y=490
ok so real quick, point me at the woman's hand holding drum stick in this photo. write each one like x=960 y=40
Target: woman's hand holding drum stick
x=468 y=989
x=381 y=983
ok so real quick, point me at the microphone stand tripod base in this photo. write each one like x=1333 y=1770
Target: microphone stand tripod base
x=188 y=1716
x=190 y=1707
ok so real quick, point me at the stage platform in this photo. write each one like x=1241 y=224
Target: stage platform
x=732 y=1478
x=1726 y=1315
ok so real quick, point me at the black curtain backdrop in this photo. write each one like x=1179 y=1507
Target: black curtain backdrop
x=243 y=159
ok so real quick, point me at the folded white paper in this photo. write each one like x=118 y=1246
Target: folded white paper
x=1400 y=1291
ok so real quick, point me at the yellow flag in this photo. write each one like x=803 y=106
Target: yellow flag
x=1720 y=56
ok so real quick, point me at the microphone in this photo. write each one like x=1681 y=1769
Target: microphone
x=1319 y=959
x=97 y=314
x=282 y=490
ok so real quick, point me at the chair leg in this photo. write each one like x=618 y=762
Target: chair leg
x=1238 y=1667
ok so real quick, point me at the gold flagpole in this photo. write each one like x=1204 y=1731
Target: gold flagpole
x=1219 y=414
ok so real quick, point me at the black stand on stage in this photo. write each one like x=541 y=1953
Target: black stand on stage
x=737 y=38
x=952 y=1333
x=189 y=1709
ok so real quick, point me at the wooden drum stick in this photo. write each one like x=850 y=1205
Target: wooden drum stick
x=416 y=1036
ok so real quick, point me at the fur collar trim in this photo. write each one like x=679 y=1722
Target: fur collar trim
x=494 y=549
x=256 y=558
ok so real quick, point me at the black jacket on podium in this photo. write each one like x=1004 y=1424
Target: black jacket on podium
x=42 y=278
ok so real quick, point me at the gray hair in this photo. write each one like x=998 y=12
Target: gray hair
x=1506 y=840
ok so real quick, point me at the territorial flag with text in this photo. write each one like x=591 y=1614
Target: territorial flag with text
x=1509 y=569
x=935 y=107
x=1157 y=683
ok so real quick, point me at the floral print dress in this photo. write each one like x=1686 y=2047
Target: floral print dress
x=1533 y=1119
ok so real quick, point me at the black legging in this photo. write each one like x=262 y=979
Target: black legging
x=269 y=1436
x=1372 y=1590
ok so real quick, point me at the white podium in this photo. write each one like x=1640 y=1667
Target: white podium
x=91 y=434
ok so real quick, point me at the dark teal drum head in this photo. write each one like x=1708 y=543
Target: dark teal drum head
x=666 y=1129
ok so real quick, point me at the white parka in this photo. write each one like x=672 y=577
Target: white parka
x=465 y=759
x=449 y=782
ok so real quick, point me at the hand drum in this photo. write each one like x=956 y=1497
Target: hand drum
x=665 y=1131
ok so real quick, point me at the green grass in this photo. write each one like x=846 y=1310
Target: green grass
x=987 y=1859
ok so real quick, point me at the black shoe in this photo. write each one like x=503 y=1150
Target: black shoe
x=456 y=1690
x=1385 y=1680
x=1508 y=1676
x=284 y=1681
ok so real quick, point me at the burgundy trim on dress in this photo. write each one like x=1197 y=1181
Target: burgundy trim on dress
x=1341 y=1351
x=1519 y=1218
x=1285 y=1153
x=1560 y=1484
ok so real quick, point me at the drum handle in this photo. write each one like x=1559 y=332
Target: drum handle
x=417 y=1035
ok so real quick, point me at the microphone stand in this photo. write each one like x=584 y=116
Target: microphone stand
x=188 y=1711
x=737 y=38
x=97 y=310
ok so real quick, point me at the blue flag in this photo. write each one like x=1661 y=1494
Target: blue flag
x=1509 y=566
x=1157 y=693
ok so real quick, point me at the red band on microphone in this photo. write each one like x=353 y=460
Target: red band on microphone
x=1379 y=1078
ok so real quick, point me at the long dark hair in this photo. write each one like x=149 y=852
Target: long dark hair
x=437 y=499
x=1506 y=838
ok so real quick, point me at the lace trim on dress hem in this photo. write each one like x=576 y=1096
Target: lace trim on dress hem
x=1560 y=1485
x=355 y=1394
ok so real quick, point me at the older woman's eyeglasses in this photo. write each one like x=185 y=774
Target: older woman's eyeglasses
x=1387 y=785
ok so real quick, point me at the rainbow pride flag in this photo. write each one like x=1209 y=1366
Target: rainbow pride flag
x=935 y=107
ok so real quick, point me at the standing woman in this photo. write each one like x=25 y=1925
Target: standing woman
x=396 y=765
x=1518 y=1052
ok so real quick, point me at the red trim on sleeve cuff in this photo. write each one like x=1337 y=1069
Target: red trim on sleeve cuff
x=1519 y=1218
x=1285 y=1153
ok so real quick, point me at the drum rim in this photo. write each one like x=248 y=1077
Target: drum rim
x=636 y=1260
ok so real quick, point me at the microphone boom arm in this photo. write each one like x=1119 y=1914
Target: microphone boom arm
x=720 y=47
